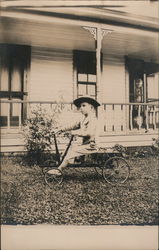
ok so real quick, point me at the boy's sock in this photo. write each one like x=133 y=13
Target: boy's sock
x=63 y=165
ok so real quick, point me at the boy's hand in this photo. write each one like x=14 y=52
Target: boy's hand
x=57 y=131
x=74 y=132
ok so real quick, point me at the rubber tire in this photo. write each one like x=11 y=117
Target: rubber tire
x=113 y=177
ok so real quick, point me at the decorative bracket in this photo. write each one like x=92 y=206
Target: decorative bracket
x=92 y=30
x=105 y=32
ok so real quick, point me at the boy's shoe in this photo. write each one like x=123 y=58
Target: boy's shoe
x=54 y=172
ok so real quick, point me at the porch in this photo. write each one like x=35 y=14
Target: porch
x=128 y=124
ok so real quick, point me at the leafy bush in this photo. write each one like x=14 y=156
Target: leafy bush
x=121 y=149
x=145 y=151
x=155 y=145
x=39 y=127
x=38 y=132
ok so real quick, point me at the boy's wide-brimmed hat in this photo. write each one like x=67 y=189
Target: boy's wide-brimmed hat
x=87 y=99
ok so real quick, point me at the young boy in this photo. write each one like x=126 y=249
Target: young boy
x=86 y=128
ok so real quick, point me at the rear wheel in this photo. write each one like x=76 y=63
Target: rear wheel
x=116 y=170
x=53 y=179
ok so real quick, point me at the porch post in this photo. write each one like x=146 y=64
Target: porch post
x=145 y=88
x=98 y=64
x=145 y=100
x=98 y=34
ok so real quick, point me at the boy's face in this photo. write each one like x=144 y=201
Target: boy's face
x=85 y=108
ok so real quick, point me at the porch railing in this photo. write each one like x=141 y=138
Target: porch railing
x=118 y=117
x=114 y=117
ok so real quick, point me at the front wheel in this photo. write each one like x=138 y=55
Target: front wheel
x=116 y=170
x=53 y=179
x=47 y=165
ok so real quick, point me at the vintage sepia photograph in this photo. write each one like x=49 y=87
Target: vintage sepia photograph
x=79 y=114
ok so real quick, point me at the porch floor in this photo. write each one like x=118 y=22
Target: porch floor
x=13 y=141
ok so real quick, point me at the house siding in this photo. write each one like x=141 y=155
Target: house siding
x=57 y=68
x=113 y=80
x=114 y=90
x=51 y=75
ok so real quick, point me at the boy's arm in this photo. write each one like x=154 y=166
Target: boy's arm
x=69 y=127
x=89 y=131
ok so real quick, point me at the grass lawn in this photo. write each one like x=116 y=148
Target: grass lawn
x=84 y=198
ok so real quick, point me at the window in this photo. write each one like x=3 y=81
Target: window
x=136 y=80
x=153 y=87
x=143 y=80
x=14 y=64
x=85 y=65
x=143 y=87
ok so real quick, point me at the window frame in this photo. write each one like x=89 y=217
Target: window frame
x=90 y=70
x=15 y=57
x=147 y=68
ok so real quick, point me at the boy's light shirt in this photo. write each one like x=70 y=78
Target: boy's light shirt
x=85 y=126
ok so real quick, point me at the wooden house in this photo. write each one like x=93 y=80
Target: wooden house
x=58 y=48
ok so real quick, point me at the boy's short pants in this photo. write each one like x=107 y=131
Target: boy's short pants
x=77 y=150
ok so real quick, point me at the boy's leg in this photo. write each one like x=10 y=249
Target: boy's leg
x=63 y=164
x=75 y=150
x=70 y=155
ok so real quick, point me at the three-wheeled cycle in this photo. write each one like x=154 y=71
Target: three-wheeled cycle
x=107 y=162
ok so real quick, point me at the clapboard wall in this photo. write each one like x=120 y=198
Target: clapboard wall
x=51 y=75
x=114 y=85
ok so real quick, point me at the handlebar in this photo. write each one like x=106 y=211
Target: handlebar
x=65 y=134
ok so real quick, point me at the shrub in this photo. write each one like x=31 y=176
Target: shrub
x=121 y=149
x=38 y=132
x=155 y=145
x=145 y=151
x=39 y=127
